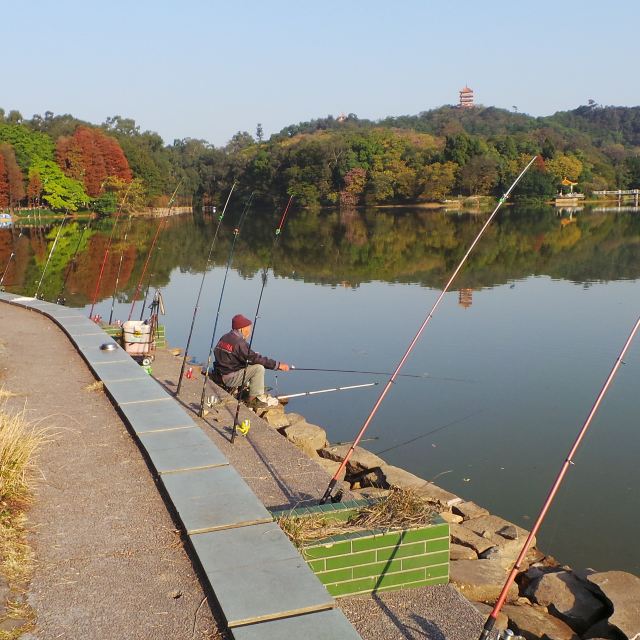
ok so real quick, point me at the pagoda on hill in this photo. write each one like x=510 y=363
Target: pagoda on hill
x=466 y=98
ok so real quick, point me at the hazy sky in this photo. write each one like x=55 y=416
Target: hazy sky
x=206 y=68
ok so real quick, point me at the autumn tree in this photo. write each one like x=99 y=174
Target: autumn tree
x=34 y=187
x=14 y=175
x=479 y=175
x=354 y=183
x=564 y=166
x=438 y=180
x=4 y=184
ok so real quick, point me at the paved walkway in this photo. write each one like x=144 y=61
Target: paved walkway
x=110 y=563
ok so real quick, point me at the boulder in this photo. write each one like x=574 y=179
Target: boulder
x=480 y=580
x=275 y=417
x=485 y=609
x=506 y=553
x=361 y=460
x=461 y=535
x=568 y=598
x=459 y=552
x=308 y=437
x=491 y=527
x=468 y=509
x=622 y=592
x=295 y=417
x=451 y=518
x=535 y=624
x=330 y=466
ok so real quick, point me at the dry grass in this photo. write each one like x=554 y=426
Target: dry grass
x=98 y=385
x=5 y=393
x=400 y=509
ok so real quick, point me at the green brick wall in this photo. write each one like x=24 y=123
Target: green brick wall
x=369 y=561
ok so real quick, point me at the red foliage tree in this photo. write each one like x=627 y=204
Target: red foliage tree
x=91 y=156
x=4 y=184
x=14 y=175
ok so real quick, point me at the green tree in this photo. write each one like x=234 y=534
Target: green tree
x=438 y=180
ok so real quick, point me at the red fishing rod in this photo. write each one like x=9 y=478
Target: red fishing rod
x=197 y=305
x=107 y=249
x=329 y=490
x=276 y=237
x=149 y=254
x=491 y=620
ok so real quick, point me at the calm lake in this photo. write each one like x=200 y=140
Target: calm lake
x=514 y=356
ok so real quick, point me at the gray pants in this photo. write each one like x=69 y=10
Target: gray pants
x=254 y=378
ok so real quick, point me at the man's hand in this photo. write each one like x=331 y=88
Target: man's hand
x=283 y=366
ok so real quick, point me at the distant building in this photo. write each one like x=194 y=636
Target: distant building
x=466 y=98
x=341 y=118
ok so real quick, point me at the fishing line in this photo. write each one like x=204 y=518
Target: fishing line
x=491 y=620
x=386 y=373
x=265 y=273
x=236 y=233
x=329 y=490
x=53 y=248
x=60 y=299
x=196 y=307
x=108 y=247
x=153 y=244
x=115 y=288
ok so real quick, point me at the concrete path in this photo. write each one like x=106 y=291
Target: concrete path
x=110 y=563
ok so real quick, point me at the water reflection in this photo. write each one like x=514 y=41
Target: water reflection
x=337 y=248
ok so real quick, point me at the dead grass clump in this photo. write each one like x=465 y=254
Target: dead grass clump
x=19 y=442
x=98 y=385
x=399 y=509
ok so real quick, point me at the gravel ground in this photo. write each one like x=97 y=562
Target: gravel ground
x=109 y=561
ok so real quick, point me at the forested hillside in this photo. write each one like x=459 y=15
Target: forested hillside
x=66 y=164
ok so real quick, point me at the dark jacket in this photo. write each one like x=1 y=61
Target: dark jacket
x=232 y=354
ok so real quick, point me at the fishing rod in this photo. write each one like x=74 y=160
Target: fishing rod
x=491 y=620
x=53 y=248
x=329 y=490
x=60 y=299
x=313 y=393
x=236 y=233
x=153 y=244
x=385 y=373
x=265 y=273
x=115 y=288
x=196 y=307
x=107 y=249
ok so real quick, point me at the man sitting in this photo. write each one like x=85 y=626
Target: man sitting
x=232 y=355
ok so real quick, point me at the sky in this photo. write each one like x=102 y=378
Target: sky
x=206 y=69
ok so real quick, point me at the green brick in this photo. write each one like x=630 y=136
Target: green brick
x=327 y=550
x=377 y=568
x=341 y=575
x=376 y=542
x=427 y=533
x=442 y=544
x=413 y=585
x=427 y=560
x=402 y=578
x=351 y=560
x=403 y=551
x=440 y=571
x=317 y=565
x=363 y=585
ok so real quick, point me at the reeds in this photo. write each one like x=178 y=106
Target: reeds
x=399 y=509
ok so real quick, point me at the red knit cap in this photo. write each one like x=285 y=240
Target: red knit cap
x=239 y=322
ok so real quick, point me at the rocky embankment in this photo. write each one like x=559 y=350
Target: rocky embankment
x=548 y=600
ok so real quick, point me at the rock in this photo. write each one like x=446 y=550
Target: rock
x=601 y=630
x=275 y=417
x=492 y=525
x=459 y=552
x=485 y=609
x=361 y=460
x=447 y=516
x=568 y=598
x=506 y=554
x=330 y=466
x=509 y=532
x=370 y=492
x=469 y=510
x=480 y=580
x=534 y=624
x=295 y=417
x=622 y=592
x=308 y=437
x=461 y=535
